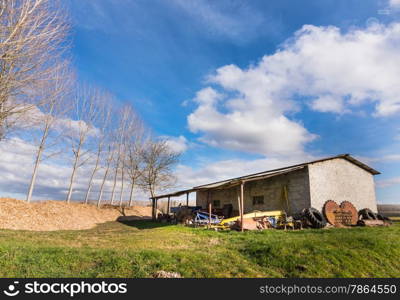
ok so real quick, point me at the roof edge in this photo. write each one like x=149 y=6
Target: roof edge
x=347 y=157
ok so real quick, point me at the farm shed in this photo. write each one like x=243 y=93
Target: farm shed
x=292 y=188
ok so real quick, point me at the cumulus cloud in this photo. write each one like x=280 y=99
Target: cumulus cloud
x=330 y=71
x=176 y=144
x=16 y=165
x=220 y=170
x=249 y=124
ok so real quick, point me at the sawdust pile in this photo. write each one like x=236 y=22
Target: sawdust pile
x=58 y=215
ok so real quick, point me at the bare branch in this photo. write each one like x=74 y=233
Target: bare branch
x=32 y=40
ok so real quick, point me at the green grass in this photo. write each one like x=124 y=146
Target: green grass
x=140 y=248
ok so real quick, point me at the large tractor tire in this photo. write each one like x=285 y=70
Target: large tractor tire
x=315 y=217
x=367 y=214
x=383 y=218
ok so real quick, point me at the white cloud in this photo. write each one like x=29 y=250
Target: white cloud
x=394 y=3
x=250 y=120
x=236 y=20
x=16 y=165
x=215 y=171
x=249 y=109
x=388 y=182
x=177 y=144
x=328 y=103
x=387 y=158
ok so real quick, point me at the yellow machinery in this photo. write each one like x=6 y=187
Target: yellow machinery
x=225 y=223
x=255 y=214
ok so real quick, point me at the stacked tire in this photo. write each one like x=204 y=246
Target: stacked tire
x=314 y=218
x=367 y=214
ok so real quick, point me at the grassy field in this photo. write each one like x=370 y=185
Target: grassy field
x=140 y=248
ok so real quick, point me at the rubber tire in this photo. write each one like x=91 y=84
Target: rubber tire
x=367 y=214
x=380 y=217
x=315 y=217
x=383 y=218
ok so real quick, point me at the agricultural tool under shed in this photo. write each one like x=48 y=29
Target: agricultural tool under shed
x=251 y=221
x=333 y=215
x=204 y=218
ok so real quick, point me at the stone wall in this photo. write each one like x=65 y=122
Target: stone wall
x=339 y=180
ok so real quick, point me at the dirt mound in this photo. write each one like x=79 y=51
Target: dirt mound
x=58 y=215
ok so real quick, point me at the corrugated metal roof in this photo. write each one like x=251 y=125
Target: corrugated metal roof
x=344 y=156
x=237 y=181
x=267 y=174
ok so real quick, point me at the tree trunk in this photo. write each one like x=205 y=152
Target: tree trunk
x=131 y=193
x=37 y=162
x=102 y=185
x=122 y=187
x=71 y=183
x=114 y=184
x=91 y=177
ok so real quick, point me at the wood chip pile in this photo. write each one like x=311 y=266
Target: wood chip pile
x=58 y=215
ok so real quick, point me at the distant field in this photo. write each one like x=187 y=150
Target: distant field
x=389 y=209
x=140 y=248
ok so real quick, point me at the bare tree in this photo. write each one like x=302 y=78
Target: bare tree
x=121 y=193
x=32 y=39
x=125 y=116
x=134 y=156
x=103 y=125
x=109 y=158
x=81 y=128
x=159 y=161
x=54 y=107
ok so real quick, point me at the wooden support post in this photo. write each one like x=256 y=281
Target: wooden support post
x=187 y=199
x=209 y=215
x=168 y=205
x=209 y=208
x=238 y=199
x=242 y=205
x=153 y=209
x=156 y=206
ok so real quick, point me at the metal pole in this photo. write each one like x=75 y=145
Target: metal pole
x=242 y=205
x=168 y=205
x=187 y=199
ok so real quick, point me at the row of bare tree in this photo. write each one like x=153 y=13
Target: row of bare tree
x=82 y=124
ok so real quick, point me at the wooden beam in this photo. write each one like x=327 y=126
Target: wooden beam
x=238 y=199
x=209 y=215
x=168 y=204
x=187 y=199
x=209 y=207
x=156 y=206
x=153 y=209
x=242 y=205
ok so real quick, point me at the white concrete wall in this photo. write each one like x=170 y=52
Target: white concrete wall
x=340 y=180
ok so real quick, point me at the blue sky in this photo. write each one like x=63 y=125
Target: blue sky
x=160 y=54
x=246 y=86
